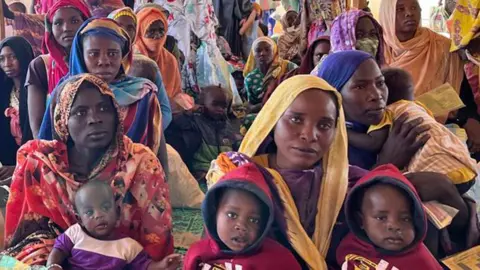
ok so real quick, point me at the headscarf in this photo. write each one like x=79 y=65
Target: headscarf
x=126 y=11
x=465 y=22
x=338 y=68
x=156 y=51
x=289 y=41
x=58 y=65
x=343 y=36
x=425 y=50
x=252 y=62
x=335 y=170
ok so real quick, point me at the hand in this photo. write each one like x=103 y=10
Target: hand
x=403 y=141
x=171 y=262
x=6 y=172
x=242 y=22
x=473 y=131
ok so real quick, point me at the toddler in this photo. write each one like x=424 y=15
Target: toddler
x=444 y=152
x=93 y=244
x=238 y=213
x=387 y=223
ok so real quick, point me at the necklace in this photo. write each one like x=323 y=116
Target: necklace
x=14 y=101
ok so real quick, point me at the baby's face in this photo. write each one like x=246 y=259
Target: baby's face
x=386 y=218
x=97 y=211
x=239 y=219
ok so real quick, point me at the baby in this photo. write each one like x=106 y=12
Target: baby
x=444 y=152
x=93 y=244
x=387 y=223
x=238 y=213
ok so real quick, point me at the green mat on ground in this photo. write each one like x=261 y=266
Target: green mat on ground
x=187 y=228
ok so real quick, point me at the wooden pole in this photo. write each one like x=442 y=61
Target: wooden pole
x=2 y=22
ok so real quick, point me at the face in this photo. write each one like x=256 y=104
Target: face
x=264 y=53
x=291 y=16
x=239 y=219
x=216 y=103
x=386 y=218
x=127 y=23
x=155 y=31
x=65 y=24
x=365 y=29
x=306 y=130
x=408 y=15
x=92 y=122
x=365 y=94
x=321 y=49
x=9 y=62
x=18 y=7
x=102 y=56
x=97 y=211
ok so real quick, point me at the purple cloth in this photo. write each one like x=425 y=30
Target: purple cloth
x=343 y=34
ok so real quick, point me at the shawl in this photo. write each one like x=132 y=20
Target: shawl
x=142 y=116
x=58 y=67
x=289 y=41
x=278 y=64
x=335 y=170
x=165 y=60
x=343 y=34
x=425 y=50
x=97 y=11
x=43 y=188
x=126 y=11
x=465 y=21
x=16 y=131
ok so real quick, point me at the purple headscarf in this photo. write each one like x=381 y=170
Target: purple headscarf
x=343 y=36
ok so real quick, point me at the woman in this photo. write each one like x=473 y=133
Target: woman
x=102 y=48
x=358 y=30
x=15 y=56
x=359 y=80
x=89 y=145
x=263 y=67
x=289 y=41
x=418 y=49
x=127 y=19
x=63 y=20
x=150 y=41
x=297 y=136
x=464 y=37
x=312 y=57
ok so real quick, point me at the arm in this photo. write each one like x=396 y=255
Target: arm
x=37 y=89
x=163 y=99
x=56 y=257
x=372 y=141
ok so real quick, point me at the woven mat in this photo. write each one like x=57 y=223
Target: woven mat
x=187 y=228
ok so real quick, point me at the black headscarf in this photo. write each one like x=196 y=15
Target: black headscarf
x=24 y=53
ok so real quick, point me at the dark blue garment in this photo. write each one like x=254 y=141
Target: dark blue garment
x=360 y=157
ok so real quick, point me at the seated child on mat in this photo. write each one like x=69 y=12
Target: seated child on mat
x=387 y=225
x=238 y=213
x=92 y=243
x=444 y=152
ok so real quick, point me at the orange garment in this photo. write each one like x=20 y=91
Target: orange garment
x=154 y=49
x=426 y=56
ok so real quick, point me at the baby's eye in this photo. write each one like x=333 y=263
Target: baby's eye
x=407 y=219
x=89 y=213
x=232 y=215
x=381 y=218
x=254 y=220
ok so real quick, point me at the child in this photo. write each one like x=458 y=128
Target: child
x=238 y=213
x=444 y=152
x=387 y=223
x=93 y=244
x=201 y=136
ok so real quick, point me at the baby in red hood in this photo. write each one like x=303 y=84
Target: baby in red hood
x=387 y=223
x=238 y=213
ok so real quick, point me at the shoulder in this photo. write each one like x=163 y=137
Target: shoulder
x=41 y=146
x=39 y=62
x=283 y=256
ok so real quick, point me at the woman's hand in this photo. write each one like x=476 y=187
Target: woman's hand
x=403 y=141
x=171 y=262
x=473 y=131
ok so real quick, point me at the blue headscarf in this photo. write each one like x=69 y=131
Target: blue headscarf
x=339 y=67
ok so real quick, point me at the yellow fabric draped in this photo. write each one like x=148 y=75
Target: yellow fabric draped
x=279 y=63
x=465 y=23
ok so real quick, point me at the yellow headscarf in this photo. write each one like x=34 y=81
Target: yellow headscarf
x=252 y=63
x=464 y=23
x=335 y=167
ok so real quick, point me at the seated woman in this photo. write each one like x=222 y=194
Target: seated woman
x=359 y=80
x=263 y=67
x=300 y=138
x=102 y=48
x=15 y=56
x=312 y=57
x=150 y=41
x=289 y=40
x=89 y=145
x=127 y=19
x=358 y=30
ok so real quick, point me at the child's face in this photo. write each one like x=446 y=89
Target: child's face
x=386 y=218
x=97 y=211
x=216 y=103
x=239 y=219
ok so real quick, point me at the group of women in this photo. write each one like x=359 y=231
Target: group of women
x=100 y=123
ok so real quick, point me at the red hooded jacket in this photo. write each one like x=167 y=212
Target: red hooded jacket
x=356 y=251
x=264 y=253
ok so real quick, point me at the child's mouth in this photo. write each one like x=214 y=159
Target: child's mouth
x=240 y=241
x=394 y=241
